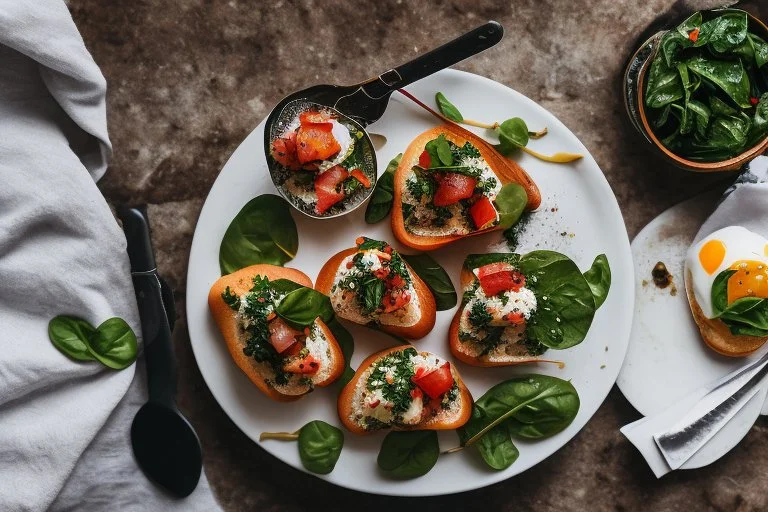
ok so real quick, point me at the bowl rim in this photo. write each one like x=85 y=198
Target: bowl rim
x=733 y=163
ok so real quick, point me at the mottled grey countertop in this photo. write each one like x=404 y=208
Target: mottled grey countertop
x=189 y=79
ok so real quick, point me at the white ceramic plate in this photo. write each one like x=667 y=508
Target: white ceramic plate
x=579 y=216
x=667 y=359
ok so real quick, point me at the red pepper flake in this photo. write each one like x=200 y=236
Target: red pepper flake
x=693 y=35
x=754 y=101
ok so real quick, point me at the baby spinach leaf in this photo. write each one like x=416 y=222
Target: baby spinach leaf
x=510 y=202
x=599 y=279
x=497 y=449
x=320 y=446
x=727 y=31
x=530 y=406
x=728 y=133
x=721 y=108
x=284 y=286
x=409 y=454
x=760 y=49
x=759 y=128
x=114 y=344
x=302 y=306
x=727 y=75
x=383 y=194
x=513 y=134
x=746 y=316
x=664 y=84
x=439 y=151
x=70 y=335
x=262 y=232
x=565 y=305
x=700 y=114
x=448 y=109
x=436 y=279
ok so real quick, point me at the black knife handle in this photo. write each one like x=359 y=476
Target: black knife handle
x=156 y=331
x=452 y=52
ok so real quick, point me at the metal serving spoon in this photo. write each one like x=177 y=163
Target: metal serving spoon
x=362 y=104
x=165 y=445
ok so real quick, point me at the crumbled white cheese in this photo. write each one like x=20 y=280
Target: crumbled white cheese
x=345 y=302
x=375 y=406
x=412 y=415
x=371 y=260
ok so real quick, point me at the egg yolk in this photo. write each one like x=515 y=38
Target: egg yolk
x=711 y=255
x=750 y=280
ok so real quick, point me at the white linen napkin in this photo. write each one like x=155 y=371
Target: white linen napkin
x=745 y=204
x=64 y=425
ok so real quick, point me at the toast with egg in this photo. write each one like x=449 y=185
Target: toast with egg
x=726 y=282
x=371 y=284
x=228 y=299
x=401 y=389
x=417 y=232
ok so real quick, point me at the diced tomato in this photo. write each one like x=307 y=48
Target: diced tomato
x=313 y=117
x=387 y=249
x=395 y=300
x=395 y=282
x=281 y=335
x=482 y=212
x=499 y=277
x=294 y=349
x=312 y=166
x=361 y=177
x=494 y=268
x=314 y=142
x=381 y=273
x=306 y=366
x=452 y=188
x=326 y=188
x=693 y=35
x=425 y=160
x=284 y=152
x=416 y=393
x=515 y=318
x=436 y=382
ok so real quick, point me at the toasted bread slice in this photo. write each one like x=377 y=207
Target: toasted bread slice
x=427 y=305
x=467 y=353
x=505 y=169
x=448 y=419
x=716 y=334
x=240 y=283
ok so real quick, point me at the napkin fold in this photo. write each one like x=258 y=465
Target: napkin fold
x=745 y=203
x=64 y=425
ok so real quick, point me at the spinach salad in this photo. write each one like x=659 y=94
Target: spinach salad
x=707 y=87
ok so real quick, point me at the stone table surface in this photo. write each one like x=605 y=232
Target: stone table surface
x=189 y=79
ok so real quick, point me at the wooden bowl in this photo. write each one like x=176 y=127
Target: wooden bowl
x=732 y=164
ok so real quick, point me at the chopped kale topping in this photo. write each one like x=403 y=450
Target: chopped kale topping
x=399 y=367
x=231 y=298
x=479 y=315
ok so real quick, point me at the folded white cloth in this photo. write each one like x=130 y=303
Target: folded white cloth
x=745 y=204
x=64 y=425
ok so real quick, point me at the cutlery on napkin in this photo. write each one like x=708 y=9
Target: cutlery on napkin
x=710 y=414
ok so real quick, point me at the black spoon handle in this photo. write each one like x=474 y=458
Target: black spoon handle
x=465 y=46
x=156 y=331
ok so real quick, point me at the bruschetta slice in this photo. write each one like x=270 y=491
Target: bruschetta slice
x=489 y=328
x=451 y=184
x=371 y=284
x=284 y=360
x=403 y=389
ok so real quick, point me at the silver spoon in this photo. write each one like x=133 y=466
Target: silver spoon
x=362 y=104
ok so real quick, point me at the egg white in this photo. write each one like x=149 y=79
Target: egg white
x=740 y=244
